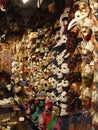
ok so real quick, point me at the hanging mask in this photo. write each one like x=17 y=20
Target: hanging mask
x=59 y=73
x=54 y=68
x=86 y=33
x=86 y=56
x=59 y=88
x=87 y=70
x=53 y=97
x=53 y=81
x=80 y=14
x=86 y=97
x=86 y=102
x=55 y=111
x=64 y=68
x=63 y=110
x=87 y=80
x=59 y=59
x=96 y=14
x=63 y=97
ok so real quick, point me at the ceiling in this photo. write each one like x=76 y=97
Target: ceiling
x=19 y=16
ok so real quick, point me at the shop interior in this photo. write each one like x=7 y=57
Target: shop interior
x=48 y=64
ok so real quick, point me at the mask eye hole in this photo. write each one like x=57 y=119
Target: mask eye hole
x=83 y=32
x=78 y=16
x=85 y=54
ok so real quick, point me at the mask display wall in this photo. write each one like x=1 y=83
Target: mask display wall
x=61 y=61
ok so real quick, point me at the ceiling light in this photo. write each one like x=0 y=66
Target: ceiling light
x=25 y=1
